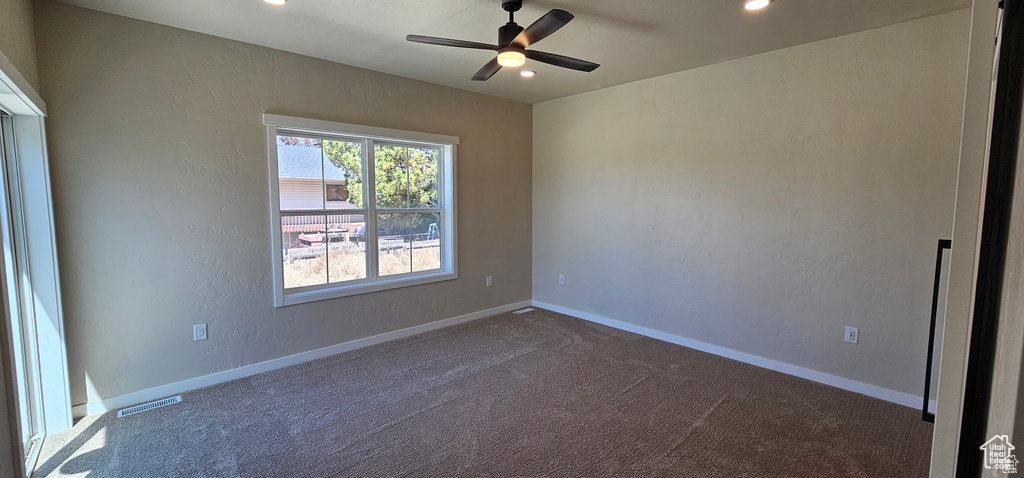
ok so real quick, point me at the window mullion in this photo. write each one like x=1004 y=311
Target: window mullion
x=408 y=198
x=370 y=195
x=323 y=199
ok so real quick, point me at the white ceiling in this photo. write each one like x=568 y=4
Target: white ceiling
x=631 y=39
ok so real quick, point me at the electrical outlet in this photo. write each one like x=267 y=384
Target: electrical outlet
x=561 y=279
x=851 y=335
x=488 y=281
x=198 y=332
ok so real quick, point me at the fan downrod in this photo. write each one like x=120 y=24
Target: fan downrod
x=510 y=30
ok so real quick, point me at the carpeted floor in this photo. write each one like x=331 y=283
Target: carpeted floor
x=538 y=394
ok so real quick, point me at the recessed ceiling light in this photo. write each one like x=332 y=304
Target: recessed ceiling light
x=756 y=4
x=275 y=2
x=527 y=73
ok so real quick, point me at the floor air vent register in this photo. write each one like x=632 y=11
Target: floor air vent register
x=124 y=412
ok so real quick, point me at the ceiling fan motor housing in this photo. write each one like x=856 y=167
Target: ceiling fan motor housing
x=508 y=32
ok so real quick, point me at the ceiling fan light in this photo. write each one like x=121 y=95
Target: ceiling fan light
x=756 y=4
x=511 y=58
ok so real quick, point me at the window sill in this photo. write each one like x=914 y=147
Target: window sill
x=333 y=292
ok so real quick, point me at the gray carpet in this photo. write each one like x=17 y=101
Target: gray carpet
x=539 y=394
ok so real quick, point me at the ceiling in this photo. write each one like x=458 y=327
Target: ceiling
x=631 y=39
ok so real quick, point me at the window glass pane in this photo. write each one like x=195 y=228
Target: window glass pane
x=343 y=174
x=408 y=243
x=300 y=173
x=391 y=176
x=305 y=257
x=422 y=177
x=393 y=244
x=426 y=241
x=347 y=236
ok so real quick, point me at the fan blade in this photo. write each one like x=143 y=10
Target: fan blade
x=450 y=42
x=562 y=61
x=544 y=26
x=487 y=71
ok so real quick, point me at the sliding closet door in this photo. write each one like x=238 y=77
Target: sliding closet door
x=989 y=412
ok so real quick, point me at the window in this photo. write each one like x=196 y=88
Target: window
x=357 y=209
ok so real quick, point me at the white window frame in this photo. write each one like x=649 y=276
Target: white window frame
x=446 y=145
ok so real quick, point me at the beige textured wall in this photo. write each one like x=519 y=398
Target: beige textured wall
x=160 y=184
x=764 y=203
x=17 y=40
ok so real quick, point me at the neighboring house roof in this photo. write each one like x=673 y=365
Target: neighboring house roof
x=305 y=162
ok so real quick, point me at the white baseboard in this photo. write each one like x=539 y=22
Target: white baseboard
x=149 y=394
x=906 y=399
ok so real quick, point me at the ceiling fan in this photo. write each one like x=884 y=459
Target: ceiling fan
x=513 y=40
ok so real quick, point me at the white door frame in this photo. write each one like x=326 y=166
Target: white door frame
x=20 y=99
